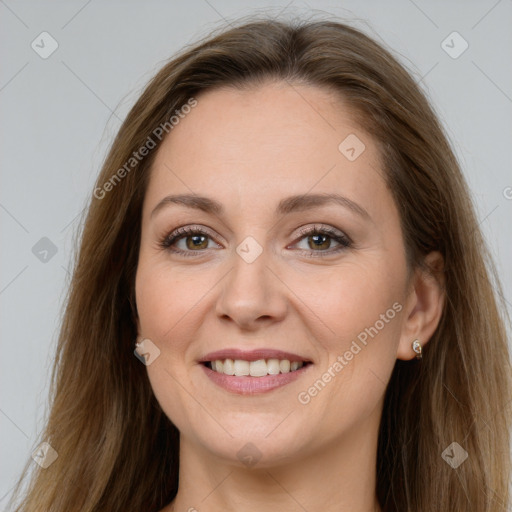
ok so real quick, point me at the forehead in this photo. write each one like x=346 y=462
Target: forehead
x=258 y=144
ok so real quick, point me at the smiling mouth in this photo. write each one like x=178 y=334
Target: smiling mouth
x=259 y=368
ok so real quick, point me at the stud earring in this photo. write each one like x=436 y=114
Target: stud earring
x=416 y=346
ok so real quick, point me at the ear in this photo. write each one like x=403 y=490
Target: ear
x=424 y=305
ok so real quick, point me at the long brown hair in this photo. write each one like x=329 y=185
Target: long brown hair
x=117 y=451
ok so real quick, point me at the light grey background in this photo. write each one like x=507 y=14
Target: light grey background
x=59 y=115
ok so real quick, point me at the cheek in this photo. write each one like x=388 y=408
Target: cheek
x=366 y=317
x=353 y=297
x=155 y=302
x=165 y=304
x=166 y=298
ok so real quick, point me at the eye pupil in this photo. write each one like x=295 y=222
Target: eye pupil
x=320 y=240
x=196 y=241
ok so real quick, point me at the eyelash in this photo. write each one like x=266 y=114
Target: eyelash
x=184 y=232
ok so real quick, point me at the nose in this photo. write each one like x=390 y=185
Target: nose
x=252 y=294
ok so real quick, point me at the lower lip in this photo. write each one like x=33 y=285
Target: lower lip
x=248 y=385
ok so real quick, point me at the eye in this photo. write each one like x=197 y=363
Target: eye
x=319 y=240
x=193 y=239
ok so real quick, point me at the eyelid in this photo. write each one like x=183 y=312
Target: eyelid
x=339 y=237
x=343 y=240
x=322 y=228
x=189 y=229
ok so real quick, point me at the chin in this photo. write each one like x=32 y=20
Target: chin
x=257 y=443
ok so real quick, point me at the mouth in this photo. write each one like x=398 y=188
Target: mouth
x=253 y=372
x=258 y=368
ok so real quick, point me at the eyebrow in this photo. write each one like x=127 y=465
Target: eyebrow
x=288 y=205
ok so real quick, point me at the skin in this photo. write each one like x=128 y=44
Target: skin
x=248 y=150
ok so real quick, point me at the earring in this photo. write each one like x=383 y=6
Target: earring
x=416 y=346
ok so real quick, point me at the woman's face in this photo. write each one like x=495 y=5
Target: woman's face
x=258 y=278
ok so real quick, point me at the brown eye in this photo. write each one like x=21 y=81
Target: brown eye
x=187 y=241
x=319 y=241
x=194 y=242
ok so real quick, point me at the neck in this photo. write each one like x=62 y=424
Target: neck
x=341 y=477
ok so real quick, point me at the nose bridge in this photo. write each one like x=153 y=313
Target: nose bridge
x=251 y=290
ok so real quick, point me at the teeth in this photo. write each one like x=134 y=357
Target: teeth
x=284 y=366
x=241 y=367
x=259 y=368
x=228 y=366
x=273 y=366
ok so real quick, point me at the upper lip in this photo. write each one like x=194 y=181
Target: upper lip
x=252 y=355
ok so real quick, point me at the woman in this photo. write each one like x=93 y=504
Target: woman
x=282 y=297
